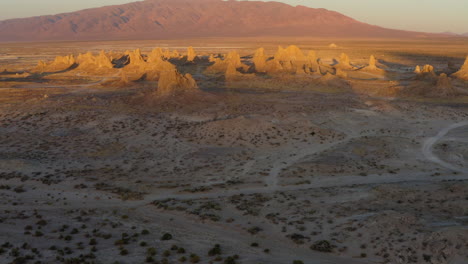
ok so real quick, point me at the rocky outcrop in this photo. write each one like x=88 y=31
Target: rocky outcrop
x=344 y=63
x=135 y=58
x=155 y=55
x=425 y=73
x=60 y=63
x=372 y=67
x=103 y=61
x=89 y=62
x=259 y=60
x=292 y=60
x=172 y=83
x=372 y=64
x=463 y=72
x=191 y=55
x=312 y=62
x=437 y=87
x=231 y=60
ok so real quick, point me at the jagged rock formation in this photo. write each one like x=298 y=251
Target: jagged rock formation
x=155 y=55
x=151 y=68
x=312 y=61
x=89 y=62
x=344 y=63
x=292 y=60
x=463 y=72
x=103 y=61
x=259 y=60
x=172 y=83
x=60 y=63
x=135 y=58
x=191 y=55
x=232 y=60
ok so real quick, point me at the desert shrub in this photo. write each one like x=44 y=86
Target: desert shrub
x=322 y=246
x=194 y=258
x=216 y=250
x=166 y=236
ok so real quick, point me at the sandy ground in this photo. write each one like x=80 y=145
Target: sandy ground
x=95 y=173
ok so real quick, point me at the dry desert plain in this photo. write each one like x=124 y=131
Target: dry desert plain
x=227 y=153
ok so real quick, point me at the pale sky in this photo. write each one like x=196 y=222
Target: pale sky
x=418 y=15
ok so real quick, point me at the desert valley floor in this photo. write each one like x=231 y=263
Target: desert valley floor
x=329 y=157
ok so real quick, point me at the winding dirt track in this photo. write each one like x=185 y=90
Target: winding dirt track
x=428 y=147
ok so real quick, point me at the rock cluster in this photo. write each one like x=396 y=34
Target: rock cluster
x=232 y=60
x=292 y=60
x=89 y=62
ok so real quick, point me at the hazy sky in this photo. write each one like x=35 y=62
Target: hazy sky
x=420 y=15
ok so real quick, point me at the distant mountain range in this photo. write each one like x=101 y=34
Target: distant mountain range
x=169 y=19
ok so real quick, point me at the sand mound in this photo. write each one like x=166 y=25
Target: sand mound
x=463 y=72
x=441 y=86
x=444 y=87
x=172 y=83
x=333 y=46
x=335 y=81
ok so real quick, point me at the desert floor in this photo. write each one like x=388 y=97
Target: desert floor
x=270 y=171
